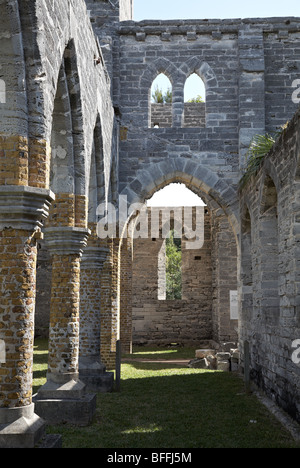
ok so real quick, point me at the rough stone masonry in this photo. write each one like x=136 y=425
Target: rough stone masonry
x=76 y=131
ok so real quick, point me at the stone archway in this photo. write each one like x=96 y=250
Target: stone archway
x=221 y=198
x=199 y=179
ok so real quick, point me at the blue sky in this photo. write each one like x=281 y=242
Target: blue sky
x=198 y=9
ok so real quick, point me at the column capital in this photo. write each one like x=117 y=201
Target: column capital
x=66 y=240
x=94 y=256
x=24 y=207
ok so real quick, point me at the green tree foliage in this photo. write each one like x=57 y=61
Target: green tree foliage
x=173 y=267
x=260 y=146
x=168 y=96
x=196 y=99
x=159 y=98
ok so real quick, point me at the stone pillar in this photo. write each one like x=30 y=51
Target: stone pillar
x=22 y=212
x=63 y=397
x=251 y=88
x=178 y=106
x=224 y=260
x=92 y=370
x=110 y=305
x=126 y=296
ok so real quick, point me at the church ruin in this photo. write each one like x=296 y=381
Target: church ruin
x=78 y=131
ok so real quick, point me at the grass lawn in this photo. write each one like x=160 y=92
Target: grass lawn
x=162 y=405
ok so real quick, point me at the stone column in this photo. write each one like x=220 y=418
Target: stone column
x=126 y=296
x=110 y=305
x=251 y=88
x=63 y=397
x=92 y=370
x=22 y=212
x=178 y=106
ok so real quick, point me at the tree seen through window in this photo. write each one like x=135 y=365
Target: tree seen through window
x=173 y=268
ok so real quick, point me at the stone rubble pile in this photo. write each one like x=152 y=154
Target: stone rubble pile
x=225 y=357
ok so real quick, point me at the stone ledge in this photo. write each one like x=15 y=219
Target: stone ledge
x=24 y=207
x=79 y=411
x=202 y=26
x=66 y=240
x=23 y=428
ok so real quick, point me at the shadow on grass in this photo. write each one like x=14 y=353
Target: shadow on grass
x=163 y=406
x=190 y=410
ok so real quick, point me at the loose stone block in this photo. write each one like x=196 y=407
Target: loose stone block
x=223 y=366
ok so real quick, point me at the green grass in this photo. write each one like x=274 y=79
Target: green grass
x=164 y=406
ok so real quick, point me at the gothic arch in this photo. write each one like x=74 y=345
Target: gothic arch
x=67 y=142
x=199 y=179
x=161 y=65
x=269 y=244
x=268 y=194
x=202 y=69
x=96 y=189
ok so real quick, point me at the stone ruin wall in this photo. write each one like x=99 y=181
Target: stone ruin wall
x=194 y=115
x=161 y=321
x=269 y=286
x=249 y=67
x=208 y=276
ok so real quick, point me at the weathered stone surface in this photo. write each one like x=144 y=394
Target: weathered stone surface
x=269 y=276
x=75 y=118
x=223 y=365
x=199 y=363
x=202 y=353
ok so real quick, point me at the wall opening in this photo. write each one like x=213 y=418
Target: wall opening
x=161 y=102
x=97 y=181
x=270 y=305
x=194 y=102
x=173 y=267
x=175 y=198
x=246 y=268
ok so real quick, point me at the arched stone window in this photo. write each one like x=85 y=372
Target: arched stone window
x=270 y=303
x=67 y=143
x=96 y=182
x=246 y=268
x=194 y=102
x=161 y=102
x=170 y=268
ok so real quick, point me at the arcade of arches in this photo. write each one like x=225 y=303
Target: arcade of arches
x=80 y=138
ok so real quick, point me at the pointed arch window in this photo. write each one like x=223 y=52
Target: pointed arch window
x=161 y=97
x=194 y=102
x=269 y=252
x=170 y=269
x=246 y=267
x=173 y=267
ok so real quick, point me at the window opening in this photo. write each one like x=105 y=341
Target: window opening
x=194 y=102
x=173 y=267
x=161 y=102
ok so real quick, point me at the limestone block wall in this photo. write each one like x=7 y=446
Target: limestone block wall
x=235 y=59
x=269 y=284
x=149 y=48
x=194 y=115
x=225 y=276
x=185 y=321
x=126 y=295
